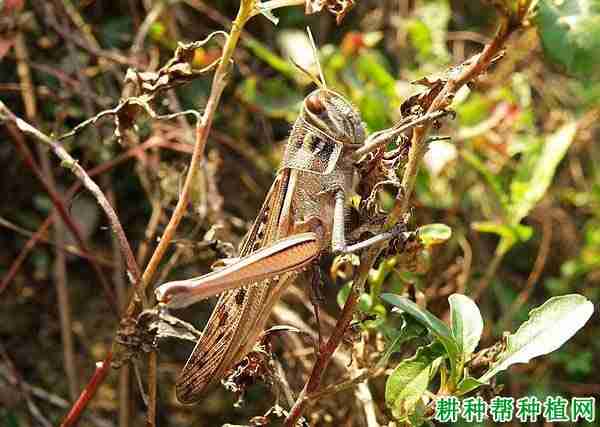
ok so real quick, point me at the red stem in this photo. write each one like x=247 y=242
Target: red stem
x=59 y=204
x=104 y=167
x=324 y=356
x=102 y=370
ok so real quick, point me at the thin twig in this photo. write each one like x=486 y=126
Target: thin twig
x=417 y=150
x=84 y=28
x=538 y=267
x=478 y=65
x=365 y=397
x=71 y=85
x=488 y=275
x=87 y=45
x=98 y=170
x=202 y=130
x=63 y=247
x=362 y=376
x=472 y=69
x=151 y=228
x=153 y=15
x=17 y=137
x=64 y=306
x=33 y=408
x=152 y=388
x=13 y=379
x=60 y=206
x=463 y=278
x=325 y=353
x=120 y=287
x=72 y=164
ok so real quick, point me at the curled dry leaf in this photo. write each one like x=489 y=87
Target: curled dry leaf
x=143 y=86
x=141 y=335
x=136 y=337
x=337 y=7
x=177 y=71
x=420 y=102
x=409 y=254
x=249 y=370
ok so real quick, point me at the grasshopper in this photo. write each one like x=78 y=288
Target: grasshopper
x=301 y=218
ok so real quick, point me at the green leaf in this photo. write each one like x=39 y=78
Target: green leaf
x=408 y=382
x=467 y=385
x=273 y=96
x=570 y=34
x=467 y=324
x=262 y=52
x=434 y=234
x=410 y=329
x=420 y=37
x=526 y=194
x=491 y=178
x=432 y=323
x=372 y=66
x=549 y=327
x=343 y=294
x=428 y=30
x=509 y=234
x=418 y=416
x=373 y=88
x=374 y=107
x=365 y=301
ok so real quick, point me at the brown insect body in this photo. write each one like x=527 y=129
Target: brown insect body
x=316 y=169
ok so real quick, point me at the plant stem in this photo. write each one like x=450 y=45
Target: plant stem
x=152 y=388
x=326 y=352
x=41 y=231
x=60 y=209
x=202 y=131
x=72 y=164
x=102 y=370
x=418 y=148
x=60 y=268
x=443 y=100
x=203 y=127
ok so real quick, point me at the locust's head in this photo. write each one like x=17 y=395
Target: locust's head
x=332 y=114
x=327 y=126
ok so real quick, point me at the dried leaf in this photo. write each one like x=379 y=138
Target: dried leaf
x=419 y=103
x=339 y=8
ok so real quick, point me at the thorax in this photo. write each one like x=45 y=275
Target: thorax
x=314 y=195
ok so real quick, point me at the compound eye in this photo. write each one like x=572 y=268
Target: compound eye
x=314 y=104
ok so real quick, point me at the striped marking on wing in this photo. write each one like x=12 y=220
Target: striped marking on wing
x=222 y=339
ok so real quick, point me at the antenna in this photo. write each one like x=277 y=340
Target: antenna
x=316 y=55
x=307 y=73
